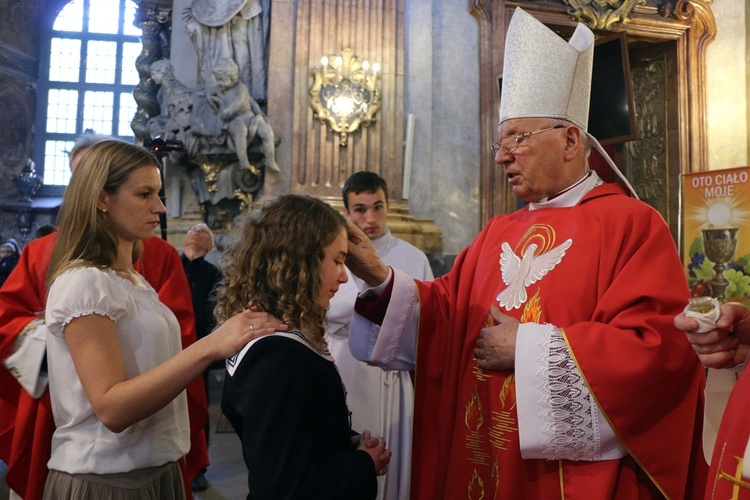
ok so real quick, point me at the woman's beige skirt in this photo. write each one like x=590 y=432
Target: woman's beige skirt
x=153 y=483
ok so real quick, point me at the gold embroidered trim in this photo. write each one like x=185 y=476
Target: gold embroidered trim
x=609 y=421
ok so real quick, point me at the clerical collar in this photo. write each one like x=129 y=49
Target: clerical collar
x=571 y=195
x=381 y=244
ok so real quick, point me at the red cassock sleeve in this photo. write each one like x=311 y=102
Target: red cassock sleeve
x=26 y=424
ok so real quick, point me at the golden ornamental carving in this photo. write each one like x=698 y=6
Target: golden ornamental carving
x=647 y=157
x=345 y=93
x=602 y=14
x=245 y=199
x=224 y=189
x=682 y=10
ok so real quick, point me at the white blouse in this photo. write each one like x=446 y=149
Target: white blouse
x=149 y=335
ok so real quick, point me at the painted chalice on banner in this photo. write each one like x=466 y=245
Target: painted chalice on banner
x=719 y=246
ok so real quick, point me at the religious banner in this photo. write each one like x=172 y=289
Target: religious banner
x=716 y=233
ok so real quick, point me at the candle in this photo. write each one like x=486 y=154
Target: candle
x=365 y=67
x=337 y=63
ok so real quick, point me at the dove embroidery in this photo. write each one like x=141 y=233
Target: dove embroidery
x=518 y=273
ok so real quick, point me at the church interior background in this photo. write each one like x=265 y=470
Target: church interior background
x=438 y=65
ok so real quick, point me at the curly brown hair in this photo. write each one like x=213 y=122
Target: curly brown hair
x=273 y=262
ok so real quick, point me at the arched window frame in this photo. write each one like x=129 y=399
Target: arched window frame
x=126 y=13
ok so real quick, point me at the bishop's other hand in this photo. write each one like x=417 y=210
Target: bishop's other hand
x=496 y=346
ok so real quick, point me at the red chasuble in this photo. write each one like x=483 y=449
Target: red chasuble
x=725 y=479
x=26 y=424
x=614 y=296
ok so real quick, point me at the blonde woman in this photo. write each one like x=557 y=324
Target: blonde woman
x=282 y=392
x=116 y=369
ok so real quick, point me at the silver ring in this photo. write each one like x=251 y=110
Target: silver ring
x=252 y=326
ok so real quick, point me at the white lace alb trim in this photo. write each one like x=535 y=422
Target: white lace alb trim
x=571 y=426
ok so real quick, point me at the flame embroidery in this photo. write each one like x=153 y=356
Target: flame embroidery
x=473 y=418
x=476 y=487
x=532 y=312
x=508 y=392
x=495 y=477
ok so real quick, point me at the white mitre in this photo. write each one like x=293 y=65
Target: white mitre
x=546 y=77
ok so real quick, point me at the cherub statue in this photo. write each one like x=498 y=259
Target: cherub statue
x=240 y=115
x=175 y=101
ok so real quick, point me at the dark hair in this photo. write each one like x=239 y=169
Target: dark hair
x=44 y=230
x=359 y=182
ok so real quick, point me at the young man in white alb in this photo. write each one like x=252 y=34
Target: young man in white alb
x=378 y=400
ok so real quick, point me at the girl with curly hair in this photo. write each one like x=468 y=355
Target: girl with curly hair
x=282 y=393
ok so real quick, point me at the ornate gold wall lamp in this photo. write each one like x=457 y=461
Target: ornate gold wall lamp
x=345 y=93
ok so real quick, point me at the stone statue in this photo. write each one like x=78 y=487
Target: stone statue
x=231 y=29
x=175 y=102
x=185 y=113
x=240 y=115
x=218 y=129
x=225 y=117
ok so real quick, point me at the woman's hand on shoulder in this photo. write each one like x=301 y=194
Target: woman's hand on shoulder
x=240 y=329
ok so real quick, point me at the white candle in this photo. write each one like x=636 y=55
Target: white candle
x=408 y=153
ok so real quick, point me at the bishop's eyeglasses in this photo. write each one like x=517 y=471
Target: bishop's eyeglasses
x=511 y=143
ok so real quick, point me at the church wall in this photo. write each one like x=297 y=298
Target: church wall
x=727 y=87
x=441 y=87
x=20 y=26
x=19 y=47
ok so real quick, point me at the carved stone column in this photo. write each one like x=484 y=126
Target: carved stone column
x=155 y=21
